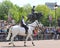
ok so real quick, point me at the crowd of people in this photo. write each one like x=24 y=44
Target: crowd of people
x=47 y=33
x=50 y=33
x=5 y=25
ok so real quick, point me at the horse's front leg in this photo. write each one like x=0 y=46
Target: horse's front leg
x=32 y=40
x=27 y=37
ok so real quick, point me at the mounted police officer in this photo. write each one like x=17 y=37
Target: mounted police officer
x=23 y=24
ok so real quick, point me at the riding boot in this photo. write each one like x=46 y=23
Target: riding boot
x=26 y=31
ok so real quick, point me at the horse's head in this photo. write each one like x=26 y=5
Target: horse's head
x=40 y=24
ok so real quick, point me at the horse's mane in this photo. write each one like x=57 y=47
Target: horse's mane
x=34 y=23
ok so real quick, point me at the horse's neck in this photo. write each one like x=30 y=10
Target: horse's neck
x=32 y=24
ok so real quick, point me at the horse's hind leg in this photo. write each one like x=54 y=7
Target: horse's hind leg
x=32 y=40
x=12 y=39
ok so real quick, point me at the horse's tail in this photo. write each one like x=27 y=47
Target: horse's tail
x=9 y=33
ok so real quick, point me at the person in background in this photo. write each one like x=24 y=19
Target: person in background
x=5 y=27
x=35 y=31
x=13 y=21
x=58 y=22
x=2 y=26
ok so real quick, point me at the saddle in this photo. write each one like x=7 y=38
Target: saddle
x=26 y=28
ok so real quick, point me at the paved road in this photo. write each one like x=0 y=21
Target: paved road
x=38 y=44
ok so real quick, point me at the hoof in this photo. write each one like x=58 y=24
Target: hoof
x=13 y=45
x=25 y=45
x=33 y=45
x=9 y=43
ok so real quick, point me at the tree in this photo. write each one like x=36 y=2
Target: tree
x=58 y=12
x=4 y=8
x=45 y=11
x=14 y=11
